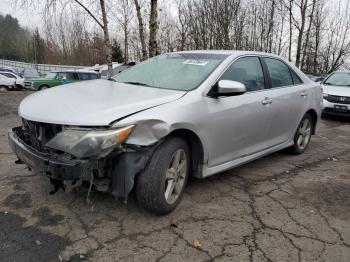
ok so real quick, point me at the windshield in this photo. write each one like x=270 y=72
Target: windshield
x=179 y=71
x=50 y=76
x=338 y=79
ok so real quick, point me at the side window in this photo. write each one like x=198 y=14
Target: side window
x=279 y=73
x=246 y=70
x=296 y=78
x=8 y=75
x=72 y=76
x=83 y=76
x=62 y=76
x=93 y=76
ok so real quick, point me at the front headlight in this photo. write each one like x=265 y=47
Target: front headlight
x=89 y=143
x=324 y=95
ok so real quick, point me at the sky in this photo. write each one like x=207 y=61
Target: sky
x=26 y=18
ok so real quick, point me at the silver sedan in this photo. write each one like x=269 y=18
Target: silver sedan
x=177 y=115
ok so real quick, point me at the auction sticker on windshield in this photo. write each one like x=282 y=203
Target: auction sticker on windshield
x=196 y=62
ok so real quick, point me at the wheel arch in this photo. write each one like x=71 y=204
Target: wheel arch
x=196 y=149
x=314 y=117
x=43 y=85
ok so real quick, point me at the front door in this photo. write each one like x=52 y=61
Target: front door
x=239 y=124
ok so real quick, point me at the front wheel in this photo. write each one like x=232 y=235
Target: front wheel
x=43 y=87
x=303 y=135
x=160 y=187
x=3 y=88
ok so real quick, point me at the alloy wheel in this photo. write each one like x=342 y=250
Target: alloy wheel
x=304 y=133
x=175 y=176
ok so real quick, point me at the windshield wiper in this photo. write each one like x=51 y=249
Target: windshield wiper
x=137 y=84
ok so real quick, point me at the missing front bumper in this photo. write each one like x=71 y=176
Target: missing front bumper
x=116 y=172
x=53 y=166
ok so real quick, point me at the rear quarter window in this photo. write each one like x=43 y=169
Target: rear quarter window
x=296 y=78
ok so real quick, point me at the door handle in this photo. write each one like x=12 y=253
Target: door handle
x=267 y=101
x=304 y=94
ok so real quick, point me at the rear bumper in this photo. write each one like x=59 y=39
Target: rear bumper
x=55 y=167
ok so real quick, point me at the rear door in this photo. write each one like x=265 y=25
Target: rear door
x=238 y=125
x=289 y=98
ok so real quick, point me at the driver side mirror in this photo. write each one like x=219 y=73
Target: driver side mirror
x=228 y=88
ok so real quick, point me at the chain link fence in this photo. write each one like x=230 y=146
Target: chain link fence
x=41 y=68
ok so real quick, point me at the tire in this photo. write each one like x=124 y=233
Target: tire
x=158 y=179
x=303 y=135
x=43 y=87
x=19 y=87
x=3 y=88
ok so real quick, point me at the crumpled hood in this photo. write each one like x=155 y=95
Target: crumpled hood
x=336 y=90
x=92 y=103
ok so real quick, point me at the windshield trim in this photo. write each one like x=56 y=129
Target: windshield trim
x=224 y=57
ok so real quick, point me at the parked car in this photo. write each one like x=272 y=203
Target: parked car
x=193 y=113
x=117 y=68
x=7 y=83
x=19 y=81
x=62 y=77
x=336 y=94
x=8 y=69
x=316 y=78
x=30 y=73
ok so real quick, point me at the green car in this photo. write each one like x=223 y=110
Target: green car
x=62 y=77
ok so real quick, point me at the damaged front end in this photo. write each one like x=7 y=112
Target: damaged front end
x=71 y=156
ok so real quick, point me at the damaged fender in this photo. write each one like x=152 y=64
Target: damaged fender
x=127 y=166
x=149 y=132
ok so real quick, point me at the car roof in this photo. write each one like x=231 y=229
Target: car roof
x=7 y=72
x=228 y=52
x=75 y=71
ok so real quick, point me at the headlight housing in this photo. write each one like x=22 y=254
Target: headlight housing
x=89 y=143
x=325 y=95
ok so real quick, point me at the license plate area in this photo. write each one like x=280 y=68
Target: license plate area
x=340 y=108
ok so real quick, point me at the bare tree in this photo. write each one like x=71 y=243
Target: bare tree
x=51 y=7
x=141 y=29
x=124 y=18
x=153 y=29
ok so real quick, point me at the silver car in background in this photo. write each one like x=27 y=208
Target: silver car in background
x=193 y=113
x=336 y=94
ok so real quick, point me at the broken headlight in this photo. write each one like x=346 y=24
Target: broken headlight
x=89 y=143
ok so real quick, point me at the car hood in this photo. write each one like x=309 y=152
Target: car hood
x=92 y=103
x=336 y=90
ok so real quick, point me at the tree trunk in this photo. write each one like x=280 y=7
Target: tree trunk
x=271 y=25
x=153 y=28
x=107 y=42
x=303 y=8
x=126 y=45
x=290 y=30
x=308 y=35
x=141 y=30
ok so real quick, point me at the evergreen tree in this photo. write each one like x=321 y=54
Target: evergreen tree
x=117 y=53
x=38 y=47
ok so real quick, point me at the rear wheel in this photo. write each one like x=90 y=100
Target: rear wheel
x=43 y=87
x=160 y=187
x=303 y=135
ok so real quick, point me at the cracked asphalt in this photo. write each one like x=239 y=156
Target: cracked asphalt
x=279 y=208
